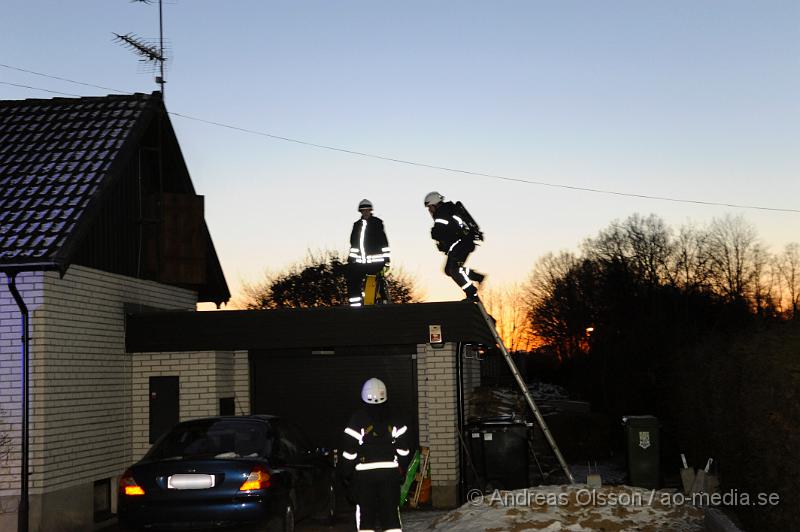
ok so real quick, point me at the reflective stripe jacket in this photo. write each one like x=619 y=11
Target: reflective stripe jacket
x=448 y=228
x=373 y=439
x=368 y=242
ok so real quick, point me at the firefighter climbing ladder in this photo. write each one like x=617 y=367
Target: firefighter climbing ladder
x=528 y=397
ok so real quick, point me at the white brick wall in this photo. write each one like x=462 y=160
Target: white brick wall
x=31 y=286
x=80 y=373
x=241 y=381
x=438 y=417
x=204 y=378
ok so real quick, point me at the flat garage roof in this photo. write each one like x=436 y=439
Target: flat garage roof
x=460 y=321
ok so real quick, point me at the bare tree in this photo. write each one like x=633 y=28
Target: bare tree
x=547 y=272
x=764 y=292
x=641 y=245
x=650 y=242
x=317 y=281
x=508 y=306
x=556 y=295
x=789 y=268
x=690 y=266
x=735 y=256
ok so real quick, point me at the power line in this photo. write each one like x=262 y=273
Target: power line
x=59 y=78
x=481 y=174
x=416 y=163
x=38 y=89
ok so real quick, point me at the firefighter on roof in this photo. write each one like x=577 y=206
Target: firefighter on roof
x=369 y=252
x=375 y=452
x=455 y=233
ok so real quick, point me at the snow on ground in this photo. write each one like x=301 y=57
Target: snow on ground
x=576 y=508
x=546 y=390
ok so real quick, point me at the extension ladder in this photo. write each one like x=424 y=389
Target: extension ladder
x=524 y=388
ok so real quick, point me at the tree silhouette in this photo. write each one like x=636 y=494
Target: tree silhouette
x=645 y=290
x=789 y=269
x=508 y=306
x=317 y=281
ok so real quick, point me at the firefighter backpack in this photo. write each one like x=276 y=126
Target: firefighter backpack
x=472 y=226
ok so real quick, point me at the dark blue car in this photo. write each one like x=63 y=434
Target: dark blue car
x=251 y=471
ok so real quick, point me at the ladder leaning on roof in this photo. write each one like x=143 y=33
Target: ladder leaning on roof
x=528 y=397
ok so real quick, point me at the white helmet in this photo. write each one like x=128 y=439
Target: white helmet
x=364 y=204
x=433 y=198
x=373 y=391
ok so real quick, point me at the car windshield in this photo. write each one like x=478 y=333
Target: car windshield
x=220 y=439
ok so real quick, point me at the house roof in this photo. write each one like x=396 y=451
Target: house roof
x=329 y=327
x=62 y=164
x=56 y=156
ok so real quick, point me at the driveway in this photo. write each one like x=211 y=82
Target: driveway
x=413 y=521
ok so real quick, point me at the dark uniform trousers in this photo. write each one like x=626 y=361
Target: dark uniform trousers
x=355 y=274
x=454 y=267
x=375 y=450
x=377 y=493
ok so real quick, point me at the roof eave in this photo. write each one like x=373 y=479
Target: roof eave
x=34 y=267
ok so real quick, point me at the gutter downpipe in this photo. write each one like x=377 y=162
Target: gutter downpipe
x=22 y=512
x=460 y=414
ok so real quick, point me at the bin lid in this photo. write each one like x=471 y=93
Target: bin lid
x=640 y=420
x=496 y=421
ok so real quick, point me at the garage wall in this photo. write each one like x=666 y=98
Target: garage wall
x=436 y=370
x=241 y=382
x=204 y=378
x=321 y=391
x=438 y=414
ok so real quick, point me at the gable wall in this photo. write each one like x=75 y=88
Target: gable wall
x=80 y=386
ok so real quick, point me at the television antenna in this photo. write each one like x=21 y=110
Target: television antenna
x=149 y=53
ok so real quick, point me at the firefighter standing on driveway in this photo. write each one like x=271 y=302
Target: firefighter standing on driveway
x=369 y=252
x=455 y=233
x=375 y=452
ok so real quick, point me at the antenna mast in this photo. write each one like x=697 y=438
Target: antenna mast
x=148 y=52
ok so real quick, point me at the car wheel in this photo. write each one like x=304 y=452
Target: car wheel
x=284 y=522
x=331 y=514
x=325 y=508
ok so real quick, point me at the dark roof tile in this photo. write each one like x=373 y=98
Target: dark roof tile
x=54 y=157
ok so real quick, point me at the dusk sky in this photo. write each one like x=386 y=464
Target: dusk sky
x=695 y=100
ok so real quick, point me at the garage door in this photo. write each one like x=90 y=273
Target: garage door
x=320 y=392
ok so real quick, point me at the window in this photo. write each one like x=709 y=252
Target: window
x=227 y=406
x=292 y=446
x=221 y=439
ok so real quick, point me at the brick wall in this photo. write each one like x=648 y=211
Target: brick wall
x=204 y=378
x=80 y=374
x=438 y=417
x=438 y=414
x=241 y=381
x=31 y=286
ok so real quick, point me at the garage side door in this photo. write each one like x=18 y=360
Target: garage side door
x=320 y=393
